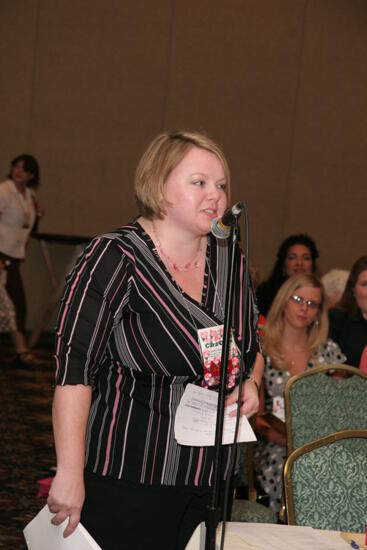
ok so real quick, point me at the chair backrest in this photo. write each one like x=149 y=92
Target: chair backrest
x=248 y=510
x=241 y=478
x=325 y=482
x=322 y=401
x=245 y=474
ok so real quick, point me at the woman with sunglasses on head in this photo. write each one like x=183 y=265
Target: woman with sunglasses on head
x=128 y=345
x=295 y=339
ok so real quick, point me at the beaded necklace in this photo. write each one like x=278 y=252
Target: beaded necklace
x=193 y=264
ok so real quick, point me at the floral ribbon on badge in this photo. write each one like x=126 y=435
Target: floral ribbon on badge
x=210 y=340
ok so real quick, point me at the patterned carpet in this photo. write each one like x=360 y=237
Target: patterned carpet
x=26 y=450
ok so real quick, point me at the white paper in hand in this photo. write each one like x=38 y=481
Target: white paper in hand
x=40 y=534
x=196 y=420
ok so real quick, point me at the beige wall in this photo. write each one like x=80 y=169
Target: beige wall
x=281 y=84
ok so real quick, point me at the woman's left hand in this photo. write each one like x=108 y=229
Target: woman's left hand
x=249 y=399
x=250 y=394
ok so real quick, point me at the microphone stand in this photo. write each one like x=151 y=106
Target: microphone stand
x=214 y=512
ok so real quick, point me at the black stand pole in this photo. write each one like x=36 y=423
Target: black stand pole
x=214 y=512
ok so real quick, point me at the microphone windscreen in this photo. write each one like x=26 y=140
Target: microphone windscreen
x=219 y=230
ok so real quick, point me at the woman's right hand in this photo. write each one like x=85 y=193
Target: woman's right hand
x=70 y=410
x=65 y=499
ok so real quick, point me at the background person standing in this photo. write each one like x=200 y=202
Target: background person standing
x=19 y=210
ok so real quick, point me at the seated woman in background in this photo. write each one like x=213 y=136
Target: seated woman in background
x=348 y=321
x=295 y=339
x=334 y=282
x=297 y=254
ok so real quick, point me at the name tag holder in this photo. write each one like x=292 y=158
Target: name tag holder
x=211 y=343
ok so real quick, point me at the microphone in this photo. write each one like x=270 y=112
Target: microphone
x=221 y=227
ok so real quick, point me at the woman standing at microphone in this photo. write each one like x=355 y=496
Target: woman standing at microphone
x=127 y=346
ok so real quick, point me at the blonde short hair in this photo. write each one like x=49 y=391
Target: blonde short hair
x=273 y=330
x=163 y=155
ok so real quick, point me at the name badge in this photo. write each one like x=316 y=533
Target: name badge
x=278 y=408
x=211 y=341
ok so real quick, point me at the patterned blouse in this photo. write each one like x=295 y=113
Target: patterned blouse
x=276 y=380
x=129 y=331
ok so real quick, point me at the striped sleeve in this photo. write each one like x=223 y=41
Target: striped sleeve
x=94 y=292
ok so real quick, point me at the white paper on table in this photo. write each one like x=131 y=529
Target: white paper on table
x=196 y=419
x=262 y=536
x=40 y=534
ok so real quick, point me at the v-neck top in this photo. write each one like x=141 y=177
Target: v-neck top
x=127 y=329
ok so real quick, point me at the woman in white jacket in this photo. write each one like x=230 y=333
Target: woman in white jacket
x=19 y=210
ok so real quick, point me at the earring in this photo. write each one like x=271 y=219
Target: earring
x=316 y=323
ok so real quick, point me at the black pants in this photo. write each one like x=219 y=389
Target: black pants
x=124 y=516
x=15 y=289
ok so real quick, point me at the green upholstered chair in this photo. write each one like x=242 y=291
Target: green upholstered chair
x=248 y=510
x=322 y=401
x=325 y=482
x=251 y=512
